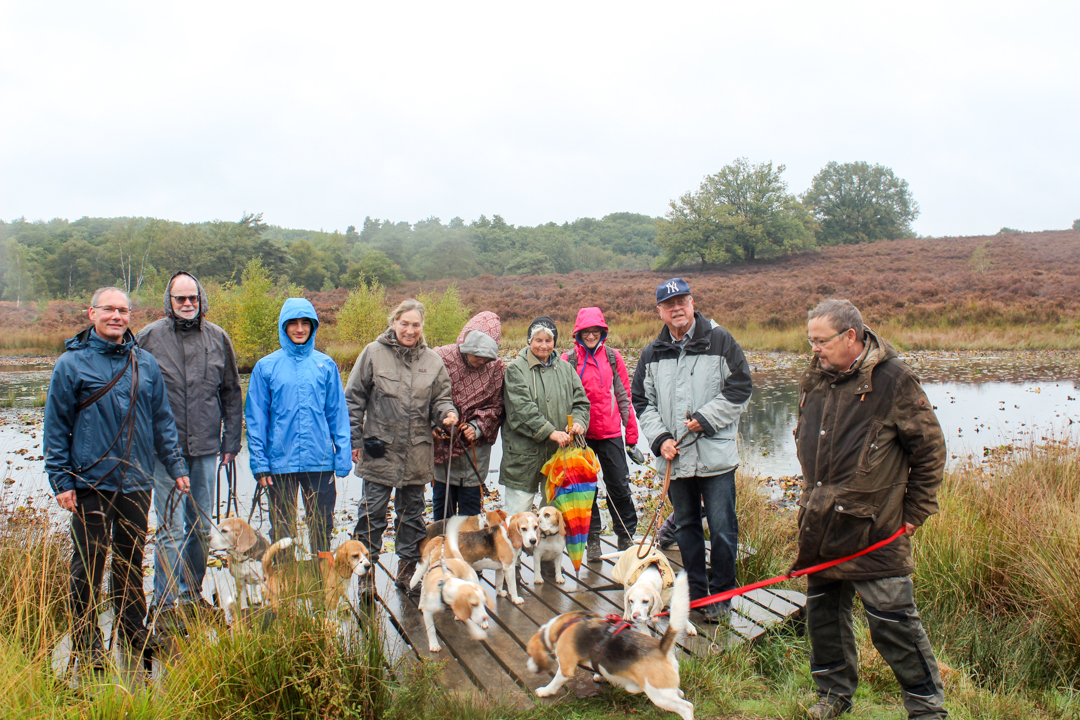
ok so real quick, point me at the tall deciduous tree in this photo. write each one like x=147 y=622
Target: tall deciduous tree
x=742 y=213
x=858 y=202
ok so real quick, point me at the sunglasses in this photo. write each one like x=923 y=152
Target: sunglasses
x=184 y=299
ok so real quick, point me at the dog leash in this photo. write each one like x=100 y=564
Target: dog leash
x=728 y=594
x=231 y=499
x=654 y=526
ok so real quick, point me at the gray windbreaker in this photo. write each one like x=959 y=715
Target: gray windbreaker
x=198 y=363
x=707 y=378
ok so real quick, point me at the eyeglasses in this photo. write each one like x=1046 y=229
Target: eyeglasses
x=591 y=331
x=109 y=310
x=826 y=341
x=184 y=299
x=678 y=301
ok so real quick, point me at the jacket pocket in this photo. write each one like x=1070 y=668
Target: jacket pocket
x=849 y=528
x=872 y=451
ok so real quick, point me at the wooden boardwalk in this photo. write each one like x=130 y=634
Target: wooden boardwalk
x=496 y=667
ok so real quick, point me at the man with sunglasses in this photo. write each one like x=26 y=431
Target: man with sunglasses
x=690 y=388
x=873 y=456
x=199 y=365
x=107 y=418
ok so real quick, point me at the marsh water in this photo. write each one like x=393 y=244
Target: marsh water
x=983 y=401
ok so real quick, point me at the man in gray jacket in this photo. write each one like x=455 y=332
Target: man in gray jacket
x=199 y=365
x=690 y=387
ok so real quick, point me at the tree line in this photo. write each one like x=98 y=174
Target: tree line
x=741 y=214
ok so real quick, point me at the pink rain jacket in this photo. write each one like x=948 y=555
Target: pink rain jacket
x=594 y=369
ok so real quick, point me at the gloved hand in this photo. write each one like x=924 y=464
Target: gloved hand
x=635 y=454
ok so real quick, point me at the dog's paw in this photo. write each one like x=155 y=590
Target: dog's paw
x=518 y=600
x=560 y=579
x=597 y=677
x=537 y=580
x=435 y=648
x=533 y=667
x=485 y=625
x=691 y=630
x=544 y=692
x=503 y=593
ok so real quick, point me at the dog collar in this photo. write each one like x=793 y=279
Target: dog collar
x=326 y=556
x=549 y=643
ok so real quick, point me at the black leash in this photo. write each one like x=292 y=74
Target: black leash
x=231 y=502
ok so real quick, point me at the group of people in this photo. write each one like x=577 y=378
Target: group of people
x=132 y=419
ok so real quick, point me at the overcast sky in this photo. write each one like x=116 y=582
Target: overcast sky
x=319 y=114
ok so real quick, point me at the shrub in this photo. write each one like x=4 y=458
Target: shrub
x=249 y=313
x=445 y=316
x=363 y=316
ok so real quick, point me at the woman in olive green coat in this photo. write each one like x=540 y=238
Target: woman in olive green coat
x=539 y=391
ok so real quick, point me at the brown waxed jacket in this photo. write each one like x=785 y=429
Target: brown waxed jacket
x=873 y=456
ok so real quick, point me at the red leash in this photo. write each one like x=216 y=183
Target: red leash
x=728 y=594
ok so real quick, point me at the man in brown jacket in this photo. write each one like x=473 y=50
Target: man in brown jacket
x=873 y=456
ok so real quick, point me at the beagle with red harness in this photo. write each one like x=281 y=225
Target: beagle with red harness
x=610 y=647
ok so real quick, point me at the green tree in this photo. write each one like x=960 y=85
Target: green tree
x=376 y=267
x=741 y=214
x=1076 y=224
x=362 y=317
x=444 y=316
x=858 y=202
x=249 y=313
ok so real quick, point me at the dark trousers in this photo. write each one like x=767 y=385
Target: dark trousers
x=320 y=494
x=612 y=456
x=371 y=524
x=463 y=500
x=895 y=629
x=101 y=519
x=718 y=495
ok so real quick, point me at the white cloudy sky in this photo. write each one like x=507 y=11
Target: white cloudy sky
x=318 y=114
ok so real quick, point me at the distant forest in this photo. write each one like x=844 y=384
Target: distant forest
x=59 y=259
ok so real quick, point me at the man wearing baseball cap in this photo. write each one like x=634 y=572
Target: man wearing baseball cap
x=690 y=387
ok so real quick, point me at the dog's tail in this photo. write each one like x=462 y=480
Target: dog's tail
x=453 y=529
x=276 y=555
x=680 y=613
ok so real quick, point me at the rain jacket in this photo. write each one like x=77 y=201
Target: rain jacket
x=706 y=377
x=538 y=399
x=296 y=416
x=477 y=392
x=396 y=394
x=199 y=365
x=873 y=456
x=76 y=441
x=609 y=403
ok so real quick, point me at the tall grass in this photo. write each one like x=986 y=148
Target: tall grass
x=21 y=340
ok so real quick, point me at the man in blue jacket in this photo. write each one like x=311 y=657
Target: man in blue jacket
x=106 y=418
x=298 y=427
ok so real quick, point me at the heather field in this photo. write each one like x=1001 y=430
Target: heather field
x=1013 y=291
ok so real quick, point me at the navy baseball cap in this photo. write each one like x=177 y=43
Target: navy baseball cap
x=670 y=289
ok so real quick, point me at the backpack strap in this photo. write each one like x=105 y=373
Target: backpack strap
x=617 y=386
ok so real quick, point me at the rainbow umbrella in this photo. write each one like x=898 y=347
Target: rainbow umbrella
x=570 y=488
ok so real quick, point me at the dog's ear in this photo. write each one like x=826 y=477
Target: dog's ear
x=246 y=538
x=562 y=523
x=514 y=531
x=538 y=652
x=656 y=604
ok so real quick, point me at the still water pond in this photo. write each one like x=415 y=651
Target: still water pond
x=982 y=401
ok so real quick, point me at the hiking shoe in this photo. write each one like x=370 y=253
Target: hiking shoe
x=716 y=613
x=830 y=706
x=624 y=543
x=201 y=610
x=170 y=620
x=405 y=572
x=593 y=548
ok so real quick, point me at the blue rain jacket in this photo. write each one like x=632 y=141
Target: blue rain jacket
x=75 y=441
x=296 y=415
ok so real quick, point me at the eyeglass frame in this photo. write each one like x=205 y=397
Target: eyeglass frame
x=193 y=299
x=675 y=302
x=826 y=341
x=589 y=331
x=109 y=310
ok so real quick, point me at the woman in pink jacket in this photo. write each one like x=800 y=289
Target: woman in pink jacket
x=610 y=409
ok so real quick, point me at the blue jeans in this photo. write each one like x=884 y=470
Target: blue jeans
x=183 y=540
x=718 y=495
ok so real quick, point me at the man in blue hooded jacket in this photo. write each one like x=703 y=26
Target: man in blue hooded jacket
x=107 y=417
x=298 y=427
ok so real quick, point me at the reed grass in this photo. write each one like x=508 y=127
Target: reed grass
x=7 y=400
x=21 y=341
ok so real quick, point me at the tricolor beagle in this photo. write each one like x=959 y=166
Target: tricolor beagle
x=452 y=583
x=552 y=543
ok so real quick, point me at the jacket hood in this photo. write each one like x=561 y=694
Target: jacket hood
x=292 y=309
x=90 y=338
x=389 y=337
x=587 y=318
x=481 y=335
x=204 y=302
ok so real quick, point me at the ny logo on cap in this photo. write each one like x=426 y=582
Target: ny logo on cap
x=673 y=287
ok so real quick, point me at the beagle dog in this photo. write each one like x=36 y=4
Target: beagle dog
x=495 y=548
x=351 y=558
x=624 y=657
x=245 y=547
x=552 y=543
x=472 y=524
x=451 y=582
x=647 y=584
